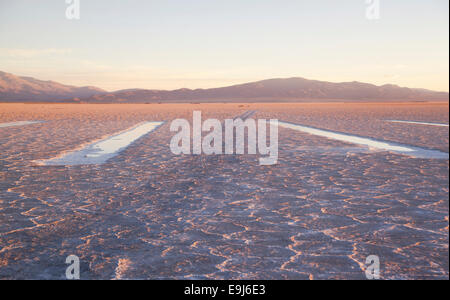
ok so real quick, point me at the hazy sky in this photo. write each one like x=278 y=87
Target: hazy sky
x=168 y=44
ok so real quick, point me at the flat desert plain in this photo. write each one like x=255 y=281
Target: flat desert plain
x=149 y=214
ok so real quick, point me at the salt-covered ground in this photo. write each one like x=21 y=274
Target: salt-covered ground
x=148 y=214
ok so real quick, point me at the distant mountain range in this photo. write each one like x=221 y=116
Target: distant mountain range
x=26 y=89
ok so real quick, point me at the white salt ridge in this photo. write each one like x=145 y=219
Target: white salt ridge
x=418 y=123
x=100 y=151
x=369 y=142
x=19 y=123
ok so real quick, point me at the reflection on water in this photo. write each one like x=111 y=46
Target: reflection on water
x=369 y=142
x=100 y=151
x=18 y=123
x=418 y=123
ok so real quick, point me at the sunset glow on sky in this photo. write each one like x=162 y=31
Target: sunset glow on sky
x=208 y=43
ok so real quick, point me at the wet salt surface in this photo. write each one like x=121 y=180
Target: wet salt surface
x=369 y=142
x=418 y=123
x=19 y=123
x=100 y=151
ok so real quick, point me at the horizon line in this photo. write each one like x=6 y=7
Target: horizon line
x=224 y=86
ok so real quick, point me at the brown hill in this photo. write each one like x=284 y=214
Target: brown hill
x=291 y=89
x=26 y=89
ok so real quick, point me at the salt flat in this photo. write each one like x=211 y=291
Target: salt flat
x=418 y=123
x=18 y=123
x=99 y=152
x=146 y=213
x=369 y=142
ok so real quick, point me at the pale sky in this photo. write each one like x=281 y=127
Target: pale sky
x=168 y=44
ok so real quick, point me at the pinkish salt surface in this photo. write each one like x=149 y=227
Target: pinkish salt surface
x=147 y=213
